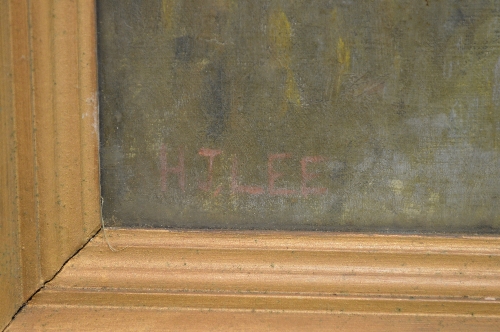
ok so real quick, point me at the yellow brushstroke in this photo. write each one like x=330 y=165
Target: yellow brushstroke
x=343 y=54
x=344 y=59
x=280 y=35
x=292 y=93
x=168 y=13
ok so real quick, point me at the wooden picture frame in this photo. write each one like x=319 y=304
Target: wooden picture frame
x=50 y=208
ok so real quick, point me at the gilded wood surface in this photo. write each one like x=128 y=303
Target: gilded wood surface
x=273 y=280
x=49 y=157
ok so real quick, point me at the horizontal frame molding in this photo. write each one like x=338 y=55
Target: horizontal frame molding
x=317 y=276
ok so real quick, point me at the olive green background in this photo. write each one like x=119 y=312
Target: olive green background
x=400 y=98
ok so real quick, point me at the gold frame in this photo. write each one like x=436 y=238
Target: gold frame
x=51 y=208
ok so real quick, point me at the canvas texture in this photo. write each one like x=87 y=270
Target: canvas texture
x=372 y=116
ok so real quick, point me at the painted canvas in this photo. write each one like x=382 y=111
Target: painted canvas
x=333 y=115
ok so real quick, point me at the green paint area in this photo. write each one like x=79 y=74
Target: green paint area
x=301 y=115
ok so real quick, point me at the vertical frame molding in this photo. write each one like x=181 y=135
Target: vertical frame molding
x=49 y=166
x=10 y=285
